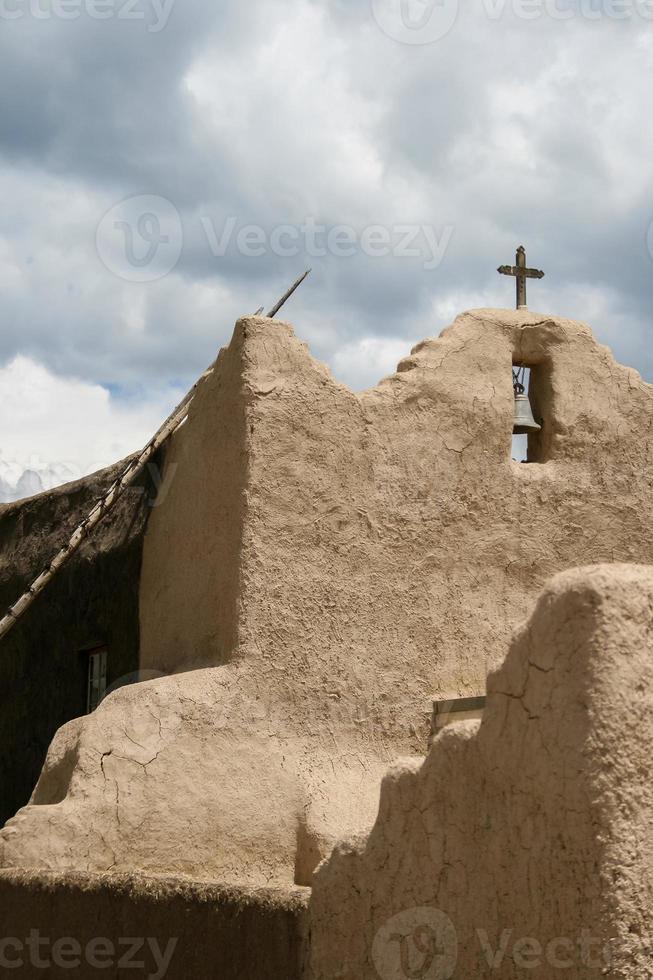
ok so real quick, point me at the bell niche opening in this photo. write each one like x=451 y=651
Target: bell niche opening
x=529 y=425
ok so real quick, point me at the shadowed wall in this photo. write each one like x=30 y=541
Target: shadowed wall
x=43 y=669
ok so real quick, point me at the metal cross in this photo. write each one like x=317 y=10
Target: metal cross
x=522 y=274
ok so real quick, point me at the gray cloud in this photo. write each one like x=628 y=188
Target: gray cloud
x=274 y=113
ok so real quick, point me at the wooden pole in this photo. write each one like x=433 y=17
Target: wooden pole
x=286 y=296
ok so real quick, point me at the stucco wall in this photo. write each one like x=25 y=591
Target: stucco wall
x=191 y=576
x=323 y=565
x=523 y=844
x=387 y=538
x=192 y=774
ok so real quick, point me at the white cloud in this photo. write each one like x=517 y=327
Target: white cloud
x=57 y=429
x=364 y=362
x=297 y=131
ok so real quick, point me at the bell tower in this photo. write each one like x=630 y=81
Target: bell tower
x=524 y=422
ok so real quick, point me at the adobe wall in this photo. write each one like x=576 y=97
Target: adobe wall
x=523 y=844
x=385 y=542
x=43 y=675
x=194 y=775
x=190 y=591
x=134 y=926
x=324 y=564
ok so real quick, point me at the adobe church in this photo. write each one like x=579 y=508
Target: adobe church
x=322 y=569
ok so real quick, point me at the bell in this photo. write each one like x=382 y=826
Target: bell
x=524 y=421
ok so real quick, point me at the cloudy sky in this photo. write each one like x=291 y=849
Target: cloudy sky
x=166 y=165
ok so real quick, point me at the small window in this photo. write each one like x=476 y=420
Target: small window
x=97 y=677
